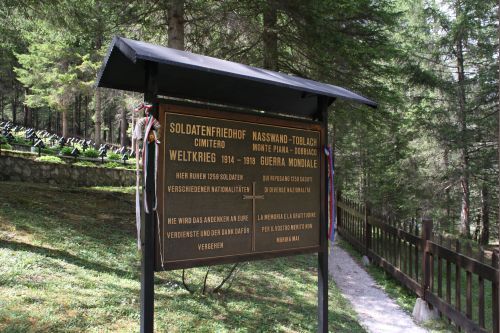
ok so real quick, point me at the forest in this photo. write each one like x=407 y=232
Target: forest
x=430 y=148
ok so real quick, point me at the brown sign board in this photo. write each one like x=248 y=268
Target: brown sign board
x=236 y=186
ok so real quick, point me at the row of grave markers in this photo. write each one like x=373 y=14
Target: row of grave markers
x=40 y=140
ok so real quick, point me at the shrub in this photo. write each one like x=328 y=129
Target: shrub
x=114 y=157
x=21 y=140
x=66 y=151
x=50 y=159
x=85 y=164
x=6 y=146
x=113 y=165
x=91 y=153
x=49 y=151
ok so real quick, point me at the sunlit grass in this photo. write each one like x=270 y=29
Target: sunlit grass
x=69 y=263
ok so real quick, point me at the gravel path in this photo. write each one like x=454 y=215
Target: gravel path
x=377 y=313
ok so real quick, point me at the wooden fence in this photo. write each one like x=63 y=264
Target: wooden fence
x=438 y=270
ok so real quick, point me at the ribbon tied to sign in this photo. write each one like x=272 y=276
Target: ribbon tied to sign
x=331 y=195
x=145 y=132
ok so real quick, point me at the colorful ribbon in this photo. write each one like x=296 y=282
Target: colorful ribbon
x=149 y=123
x=331 y=193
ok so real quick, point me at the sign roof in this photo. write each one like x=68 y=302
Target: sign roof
x=188 y=75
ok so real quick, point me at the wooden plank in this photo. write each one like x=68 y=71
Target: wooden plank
x=398 y=251
x=416 y=262
x=408 y=236
x=353 y=241
x=468 y=305
x=448 y=279
x=431 y=272
x=481 y=301
x=494 y=295
x=458 y=280
x=427 y=264
x=323 y=253
x=440 y=272
x=480 y=306
x=404 y=252
x=368 y=229
x=397 y=274
x=469 y=264
x=348 y=207
x=410 y=261
x=452 y=313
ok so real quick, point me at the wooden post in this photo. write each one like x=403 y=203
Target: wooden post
x=323 y=234
x=339 y=210
x=497 y=314
x=426 y=272
x=368 y=229
x=495 y=291
x=148 y=226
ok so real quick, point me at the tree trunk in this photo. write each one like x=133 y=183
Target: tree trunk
x=75 y=111
x=498 y=289
x=446 y=160
x=123 y=127
x=110 y=125
x=462 y=122
x=175 y=18
x=270 y=36
x=484 y=235
x=65 y=124
x=79 y=116
x=98 y=117
x=58 y=125
x=49 y=121
x=85 y=117
x=26 y=122
x=28 y=117
x=1 y=108
x=14 y=106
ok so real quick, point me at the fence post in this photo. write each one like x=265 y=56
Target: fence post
x=339 y=211
x=368 y=229
x=426 y=236
x=495 y=295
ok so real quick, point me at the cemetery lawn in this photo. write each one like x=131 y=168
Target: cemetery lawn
x=69 y=263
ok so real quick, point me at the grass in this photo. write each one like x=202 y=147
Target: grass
x=70 y=264
x=50 y=159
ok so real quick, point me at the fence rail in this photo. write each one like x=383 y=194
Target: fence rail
x=434 y=268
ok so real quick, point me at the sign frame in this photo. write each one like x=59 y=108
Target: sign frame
x=167 y=106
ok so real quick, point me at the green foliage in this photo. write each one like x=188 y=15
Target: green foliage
x=50 y=151
x=413 y=151
x=114 y=157
x=85 y=164
x=20 y=140
x=91 y=153
x=112 y=165
x=54 y=279
x=50 y=159
x=6 y=146
x=66 y=151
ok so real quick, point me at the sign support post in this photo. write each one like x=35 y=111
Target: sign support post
x=323 y=231
x=148 y=226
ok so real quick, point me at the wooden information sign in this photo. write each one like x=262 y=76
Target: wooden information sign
x=235 y=187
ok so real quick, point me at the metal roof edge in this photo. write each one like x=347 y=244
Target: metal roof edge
x=126 y=49
x=119 y=43
x=105 y=62
x=278 y=79
x=147 y=57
